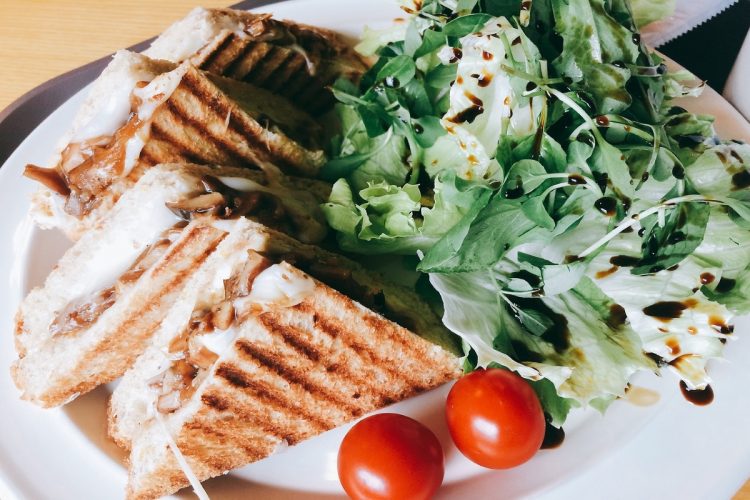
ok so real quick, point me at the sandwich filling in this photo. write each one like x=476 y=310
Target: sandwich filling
x=273 y=204
x=89 y=166
x=82 y=312
x=257 y=286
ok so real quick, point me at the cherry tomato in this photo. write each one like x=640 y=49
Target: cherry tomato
x=495 y=418
x=390 y=456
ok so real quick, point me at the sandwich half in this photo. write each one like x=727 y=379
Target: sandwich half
x=297 y=61
x=109 y=292
x=398 y=304
x=181 y=115
x=258 y=356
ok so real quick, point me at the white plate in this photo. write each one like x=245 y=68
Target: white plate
x=668 y=449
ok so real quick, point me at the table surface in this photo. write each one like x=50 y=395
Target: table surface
x=40 y=39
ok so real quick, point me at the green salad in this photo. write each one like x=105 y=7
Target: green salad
x=578 y=226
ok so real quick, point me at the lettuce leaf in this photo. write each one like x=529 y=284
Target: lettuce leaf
x=364 y=159
x=648 y=11
x=486 y=100
x=373 y=39
x=386 y=218
x=592 y=42
x=733 y=293
x=722 y=170
x=686 y=342
x=484 y=242
x=576 y=340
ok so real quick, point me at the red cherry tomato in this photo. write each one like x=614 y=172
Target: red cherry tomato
x=495 y=418
x=390 y=456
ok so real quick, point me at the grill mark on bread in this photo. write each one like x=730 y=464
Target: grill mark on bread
x=247 y=57
x=242 y=68
x=250 y=130
x=215 y=401
x=276 y=65
x=164 y=147
x=187 y=241
x=275 y=363
x=295 y=84
x=334 y=329
x=193 y=439
x=282 y=74
x=210 y=57
x=247 y=417
x=268 y=396
x=225 y=146
x=260 y=143
x=260 y=71
x=309 y=92
x=147 y=158
x=294 y=337
x=172 y=147
x=393 y=331
x=385 y=328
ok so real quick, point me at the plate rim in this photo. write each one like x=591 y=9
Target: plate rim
x=36 y=96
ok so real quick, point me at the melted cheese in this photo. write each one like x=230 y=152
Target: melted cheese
x=109 y=110
x=218 y=341
x=159 y=90
x=243 y=184
x=298 y=203
x=118 y=249
x=151 y=97
x=277 y=286
x=133 y=149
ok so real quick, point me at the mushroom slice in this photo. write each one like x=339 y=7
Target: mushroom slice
x=209 y=203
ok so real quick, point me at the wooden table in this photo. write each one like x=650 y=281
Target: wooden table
x=40 y=39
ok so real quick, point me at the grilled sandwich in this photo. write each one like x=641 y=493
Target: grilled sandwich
x=297 y=61
x=181 y=115
x=261 y=355
x=109 y=292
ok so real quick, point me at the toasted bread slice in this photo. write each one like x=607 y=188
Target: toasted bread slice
x=183 y=115
x=296 y=358
x=291 y=59
x=95 y=339
x=97 y=283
